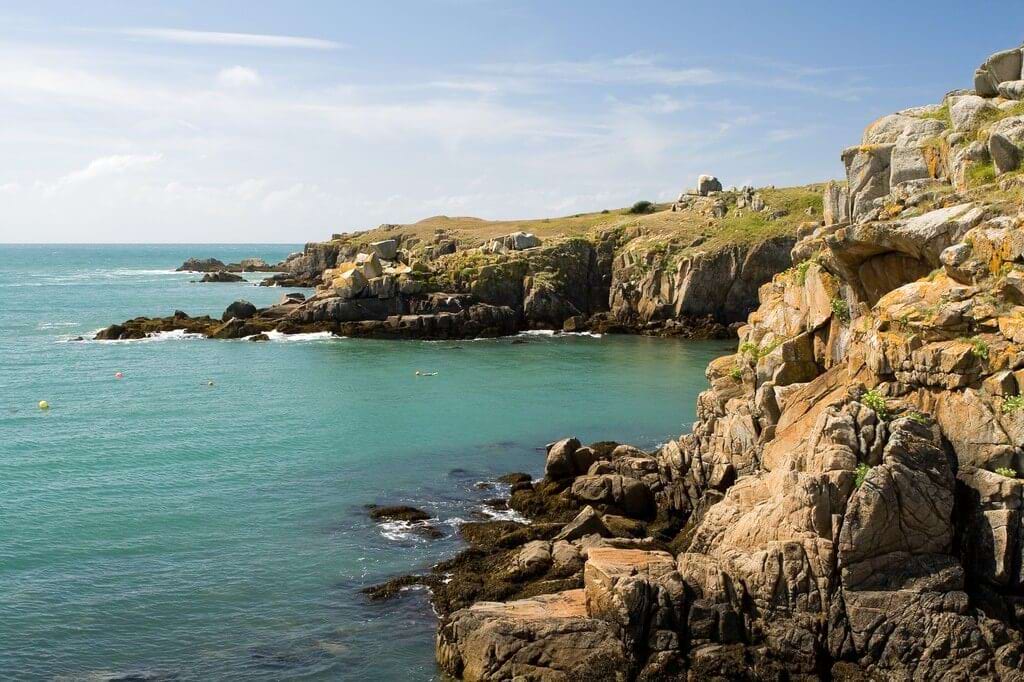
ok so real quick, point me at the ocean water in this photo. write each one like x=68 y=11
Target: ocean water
x=159 y=526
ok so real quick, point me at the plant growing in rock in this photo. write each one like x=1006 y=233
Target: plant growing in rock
x=979 y=348
x=1013 y=403
x=841 y=309
x=861 y=473
x=1006 y=471
x=918 y=417
x=876 y=401
x=736 y=373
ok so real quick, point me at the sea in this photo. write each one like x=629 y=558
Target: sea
x=203 y=516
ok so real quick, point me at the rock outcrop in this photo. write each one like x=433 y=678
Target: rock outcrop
x=848 y=504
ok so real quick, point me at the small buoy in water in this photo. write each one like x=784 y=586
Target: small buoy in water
x=119 y=375
x=209 y=383
x=43 y=405
x=417 y=372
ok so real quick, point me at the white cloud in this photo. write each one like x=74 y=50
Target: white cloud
x=238 y=77
x=631 y=69
x=217 y=38
x=109 y=165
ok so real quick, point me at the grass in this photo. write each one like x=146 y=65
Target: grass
x=1006 y=471
x=941 y=114
x=876 y=401
x=919 y=417
x=980 y=174
x=841 y=309
x=661 y=224
x=979 y=348
x=1013 y=404
x=861 y=473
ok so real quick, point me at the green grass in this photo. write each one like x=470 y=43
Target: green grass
x=980 y=174
x=1005 y=471
x=979 y=348
x=942 y=114
x=919 y=417
x=876 y=402
x=1013 y=404
x=736 y=373
x=841 y=309
x=861 y=473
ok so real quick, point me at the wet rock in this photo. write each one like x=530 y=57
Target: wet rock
x=221 y=276
x=240 y=309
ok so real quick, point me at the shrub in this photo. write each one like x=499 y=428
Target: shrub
x=736 y=373
x=841 y=309
x=1005 y=471
x=918 y=417
x=876 y=402
x=642 y=207
x=979 y=348
x=861 y=472
x=1013 y=403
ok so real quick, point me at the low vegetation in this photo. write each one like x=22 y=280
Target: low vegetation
x=1013 y=404
x=861 y=472
x=1005 y=471
x=876 y=401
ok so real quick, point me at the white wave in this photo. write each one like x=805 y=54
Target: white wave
x=504 y=514
x=174 y=335
x=403 y=531
x=275 y=335
x=549 y=333
x=456 y=521
x=55 y=325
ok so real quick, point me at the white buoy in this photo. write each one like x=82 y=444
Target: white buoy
x=119 y=375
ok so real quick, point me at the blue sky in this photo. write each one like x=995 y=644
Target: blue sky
x=286 y=121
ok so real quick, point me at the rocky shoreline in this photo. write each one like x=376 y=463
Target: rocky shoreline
x=848 y=504
x=690 y=269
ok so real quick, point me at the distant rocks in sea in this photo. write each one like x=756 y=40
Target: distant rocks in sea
x=221 y=276
x=213 y=265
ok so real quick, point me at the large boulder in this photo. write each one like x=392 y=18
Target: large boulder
x=867 y=173
x=240 y=309
x=386 y=249
x=998 y=68
x=369 y=264
x=707 y=184
x=550 y=638
x=613 y=492
x=968 y=111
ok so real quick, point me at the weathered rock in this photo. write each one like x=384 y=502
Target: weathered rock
x=201 y=265
x=221 y=276
x=240 y=309
x=548 y=638
x=707 y=184
x=1005 y=154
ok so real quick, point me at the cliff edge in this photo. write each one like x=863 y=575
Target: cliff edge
x=848 y=504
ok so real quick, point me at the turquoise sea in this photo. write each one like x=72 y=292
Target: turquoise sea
x=158 y=527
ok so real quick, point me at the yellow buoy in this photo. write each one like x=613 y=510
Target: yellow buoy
x=43 y=405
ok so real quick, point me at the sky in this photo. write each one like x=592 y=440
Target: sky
x=285 y=122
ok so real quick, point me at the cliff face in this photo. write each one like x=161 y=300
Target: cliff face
x=633 y=272
x=848 y=502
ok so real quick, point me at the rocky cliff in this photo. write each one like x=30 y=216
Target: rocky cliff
x=848 y=503
x=690 y=268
